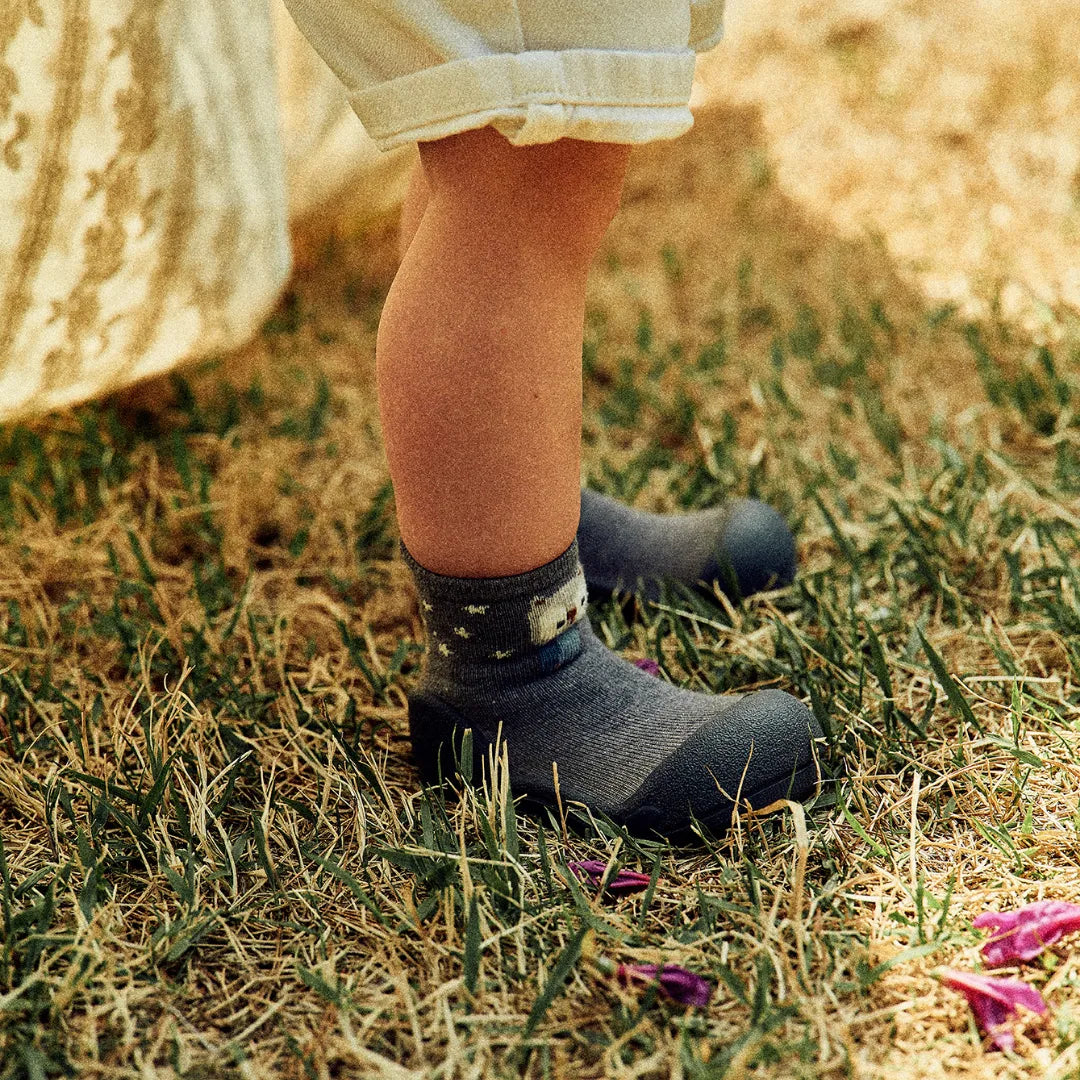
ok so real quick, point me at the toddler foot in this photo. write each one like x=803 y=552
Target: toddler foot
x=519 y=652
x=744 y=546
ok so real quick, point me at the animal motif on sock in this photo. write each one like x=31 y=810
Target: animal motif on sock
x=549 y=616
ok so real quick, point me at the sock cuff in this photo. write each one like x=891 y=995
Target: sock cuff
x=544 y=579
x=478 y=621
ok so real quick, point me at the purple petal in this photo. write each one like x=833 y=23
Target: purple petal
x=1023 y=934
x=994 y=1001
x=673 y=981
x=625 y=881
x=590 y=868
x=651 y=666
x=628 y=881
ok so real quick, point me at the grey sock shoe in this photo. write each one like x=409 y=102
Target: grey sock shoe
x=519 y=652
x=744 y=546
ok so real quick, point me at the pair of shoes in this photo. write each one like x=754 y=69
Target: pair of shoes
x=516 y=658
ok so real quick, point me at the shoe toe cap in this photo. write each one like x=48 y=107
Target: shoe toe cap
x=759 y=750
x=755 y=548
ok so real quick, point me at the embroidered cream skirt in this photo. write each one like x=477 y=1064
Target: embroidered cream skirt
x=150 y=160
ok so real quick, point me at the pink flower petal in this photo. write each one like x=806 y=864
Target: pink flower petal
x=625 y=881
x=673 y=981
x=1023 y=934
x=994 y=1001
x=651 y=666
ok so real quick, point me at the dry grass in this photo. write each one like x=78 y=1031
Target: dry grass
x=217 y=861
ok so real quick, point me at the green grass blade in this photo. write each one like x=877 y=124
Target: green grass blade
x=557 y=976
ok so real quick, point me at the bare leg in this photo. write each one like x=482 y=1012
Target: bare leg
x=412 y=209
x=480 y=388
x=741 y=546
x=479 y=350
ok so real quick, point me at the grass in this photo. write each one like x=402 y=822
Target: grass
x=215 y=858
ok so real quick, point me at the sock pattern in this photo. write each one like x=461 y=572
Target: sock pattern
x=476 y=625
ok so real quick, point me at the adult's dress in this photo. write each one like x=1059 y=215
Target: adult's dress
x=152 y=153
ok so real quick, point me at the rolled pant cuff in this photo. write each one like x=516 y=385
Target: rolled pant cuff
x=536 y=97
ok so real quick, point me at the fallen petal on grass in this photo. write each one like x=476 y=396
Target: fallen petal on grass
x=674 y=982
x=651 y=666
x=625 y=881
x=1022 y=934
x=994 y=1002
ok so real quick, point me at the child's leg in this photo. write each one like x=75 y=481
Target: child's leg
x=743 y=545
x=479 y=361
x=479 y=350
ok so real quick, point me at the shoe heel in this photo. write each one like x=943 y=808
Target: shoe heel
x=444 y=744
